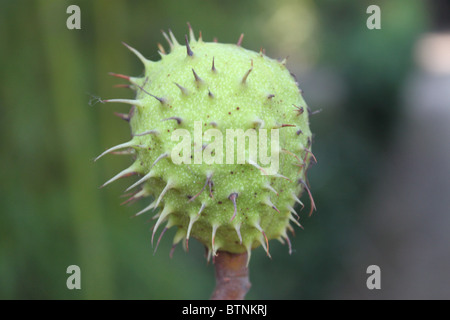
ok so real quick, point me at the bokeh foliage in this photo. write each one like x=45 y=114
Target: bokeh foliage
x=52 y=213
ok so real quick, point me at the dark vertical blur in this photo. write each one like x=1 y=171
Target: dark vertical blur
x=439 y=15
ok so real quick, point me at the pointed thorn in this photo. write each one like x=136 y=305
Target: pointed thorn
x=197 y=78
x=135 y=196
x=201 y=209
x=275 y=208
x=159 y=239
x=168 y=186
x=289 y=227
x=289 y=244
x=144 y=61
x=191 y=32
x=149 y=207
x=173 y=39
x=295 y=221
x=213 y=238
x=299 y=110
x=163 y=215
x=124 y=152
x=160 y=99
x=207 y=254
x=258 y=227
x=118 y=75
x=177 y=119
x=296 y=199
x=300 y=163
x=125 y=173
x=270 y=204
x=150 y=174
x=128 y=194
x=188 y=48
x=192 y=220
x=144 y=178
x=213 y=68
x=269 y=187
x=126 y=101
x=123 y=116
x=267 y=243
x=208 y=179
x=172 y=250
x=183 y=89
x=240 y=40
x=309 y=142
x=257 y=167
x=155 y=132
x=313 y=205
x=260 y=123
x=233 y=197
x=179 y=235
x=244 y=79
x=162 y=156
x=162 y=51
x=210 y=94
x=167 y=39
x=282 y=177
x=120 y=146
x=293 y=211
x=311 y=113
x=238 y=231
x=312 y=155
x=248 y=248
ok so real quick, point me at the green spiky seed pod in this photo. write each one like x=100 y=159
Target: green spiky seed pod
x=186 y=106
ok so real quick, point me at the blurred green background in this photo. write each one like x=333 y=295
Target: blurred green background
x=52 y=212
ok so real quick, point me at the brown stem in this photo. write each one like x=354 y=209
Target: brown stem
x=232 y=282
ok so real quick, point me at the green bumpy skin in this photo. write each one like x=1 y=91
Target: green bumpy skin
x=230 y=207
